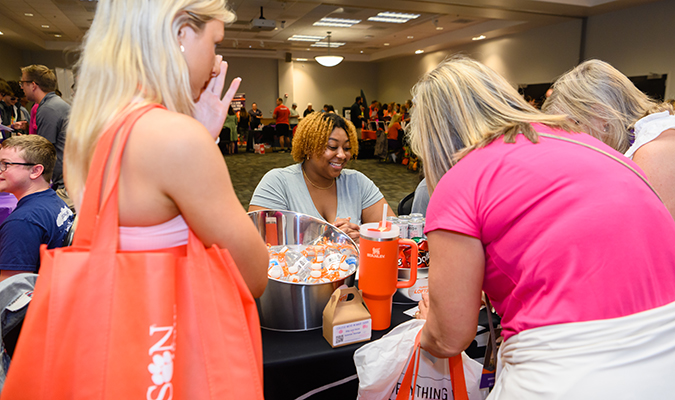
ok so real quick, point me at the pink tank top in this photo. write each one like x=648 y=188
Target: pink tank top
x=171 y=233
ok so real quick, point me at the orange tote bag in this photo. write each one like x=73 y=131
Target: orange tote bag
x=178 y=323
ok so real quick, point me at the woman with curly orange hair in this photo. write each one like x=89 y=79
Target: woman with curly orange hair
x=319 y=185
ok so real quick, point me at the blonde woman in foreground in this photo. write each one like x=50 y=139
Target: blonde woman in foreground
x=606 y=104
x=587 y=305
x=172 y=174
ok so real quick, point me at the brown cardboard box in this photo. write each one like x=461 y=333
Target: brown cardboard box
x=346 y=320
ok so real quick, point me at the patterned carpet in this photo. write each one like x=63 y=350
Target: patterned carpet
x=246 y=170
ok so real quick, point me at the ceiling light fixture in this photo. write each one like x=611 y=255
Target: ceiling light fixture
x=481 y=37
x=300 y=59
x=45 y=26
x=306 y=38
x=337 y=22
x=386 y=44
x=1 y=33
x=57 y=35
x=419 y=51
x=329 y=60
x=411 y=37
x=393 y=17
x=28 y=14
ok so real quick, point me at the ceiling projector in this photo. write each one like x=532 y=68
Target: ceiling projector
x=262 y=24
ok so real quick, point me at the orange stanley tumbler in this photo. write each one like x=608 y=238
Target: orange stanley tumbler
x=378 y=270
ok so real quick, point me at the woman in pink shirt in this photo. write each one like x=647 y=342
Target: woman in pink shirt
x=575 y=250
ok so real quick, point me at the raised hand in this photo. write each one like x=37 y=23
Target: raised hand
x=211 y=109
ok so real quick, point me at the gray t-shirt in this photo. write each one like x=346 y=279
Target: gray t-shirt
x=285 y=189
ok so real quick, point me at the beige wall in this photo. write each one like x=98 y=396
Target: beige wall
x=259 y=81
x=637 y=41
x=337 y=85
x=12 y=61
x=536 y=56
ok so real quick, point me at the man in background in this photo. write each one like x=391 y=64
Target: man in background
x=283 y=128
x=40 y=217
x=39 y=84
x=256 y=115
x=308 y=110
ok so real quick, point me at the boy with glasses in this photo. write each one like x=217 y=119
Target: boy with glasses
x=41 y=217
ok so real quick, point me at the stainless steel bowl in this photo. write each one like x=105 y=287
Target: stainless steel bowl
x=287 y=306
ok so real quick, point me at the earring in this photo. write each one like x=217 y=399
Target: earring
x=182 y=49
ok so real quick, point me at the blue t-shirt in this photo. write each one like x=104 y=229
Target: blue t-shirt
x=39 y=218
x=285 y=189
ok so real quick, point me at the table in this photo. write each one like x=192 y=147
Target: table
x=296 y=363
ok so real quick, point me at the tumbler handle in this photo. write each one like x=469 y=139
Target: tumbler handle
x=413 y=265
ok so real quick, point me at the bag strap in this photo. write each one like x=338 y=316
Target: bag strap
x=100 y=207
x=613 y=157
x=409 y=381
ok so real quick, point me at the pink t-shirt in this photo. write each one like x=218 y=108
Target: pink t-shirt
x=32 y=126
x=569 y=234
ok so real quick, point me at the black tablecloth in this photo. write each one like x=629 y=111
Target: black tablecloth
x=296 y=363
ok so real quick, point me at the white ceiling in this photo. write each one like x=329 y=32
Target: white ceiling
x=461 y=20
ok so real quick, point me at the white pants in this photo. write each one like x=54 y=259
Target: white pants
x=631 y=357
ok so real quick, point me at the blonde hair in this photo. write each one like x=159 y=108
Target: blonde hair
x=594 y=91
x=311 y=135
x=462 y=105
x=396 y=118
x=131 y=53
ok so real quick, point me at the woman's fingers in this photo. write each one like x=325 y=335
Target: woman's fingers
x=229 y=95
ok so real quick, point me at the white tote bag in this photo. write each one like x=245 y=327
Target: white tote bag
x=382 y=364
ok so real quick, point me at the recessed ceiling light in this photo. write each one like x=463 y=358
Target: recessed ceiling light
x=411 y=37
x=1 y=33
x=361 y=51
x=300 y=59
x=481 y=37
x=28 y=14
x=306 y=38
x=57 y=35
x=439 y=28
x=393 y=17
x=45 y=26
x=419 y=51
x=249 y=46
x=337 y=22
x=386 y=44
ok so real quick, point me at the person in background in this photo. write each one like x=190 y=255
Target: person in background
x=405 y=115
x=40 y=217
x=39 y=84
x=355 y=115
x=20 y=112
x=172 y=179
x=393 y=132
x=281 y=114
x=293 y=118
x=6 y=103
x=578 y=258
x=243 y=120
x=606 y=104
x=307 y=111
x=228 y=135
x=325 y=109
x=319 y=184
x=256 y=116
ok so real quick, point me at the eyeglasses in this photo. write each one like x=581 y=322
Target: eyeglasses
x=13 y=98
x=22 y=82
x=5 y=164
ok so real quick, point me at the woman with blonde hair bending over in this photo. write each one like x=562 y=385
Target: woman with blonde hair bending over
x=606 y=103
x=587 y=304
